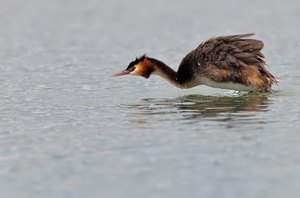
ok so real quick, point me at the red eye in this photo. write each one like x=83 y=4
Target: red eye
x=131 y=69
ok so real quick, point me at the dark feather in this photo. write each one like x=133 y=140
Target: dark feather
x=231 y=52
x=136 y=61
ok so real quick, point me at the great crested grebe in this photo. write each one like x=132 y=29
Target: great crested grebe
x=228 y=62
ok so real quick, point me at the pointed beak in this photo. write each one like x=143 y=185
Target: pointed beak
x=122 y=73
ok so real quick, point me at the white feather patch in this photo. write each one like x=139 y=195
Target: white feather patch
x=227 y=85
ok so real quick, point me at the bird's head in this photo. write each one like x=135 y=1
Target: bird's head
x=141 y=66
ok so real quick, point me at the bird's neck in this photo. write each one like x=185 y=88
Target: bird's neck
x=166 y=72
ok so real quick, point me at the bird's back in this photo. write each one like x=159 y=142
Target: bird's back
x=227 y=59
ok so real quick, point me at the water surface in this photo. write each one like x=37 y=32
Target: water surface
x=69 y=129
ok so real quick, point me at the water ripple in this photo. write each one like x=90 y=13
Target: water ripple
x=199 y=108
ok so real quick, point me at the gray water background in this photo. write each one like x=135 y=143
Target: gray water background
x=68 y=129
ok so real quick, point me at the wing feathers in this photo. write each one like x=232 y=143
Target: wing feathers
x=233 y=53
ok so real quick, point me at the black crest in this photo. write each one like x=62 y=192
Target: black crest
x=136 y=61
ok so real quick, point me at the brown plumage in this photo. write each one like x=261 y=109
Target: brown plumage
x=230 y=62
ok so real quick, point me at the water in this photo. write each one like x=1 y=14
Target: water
x=68 y=129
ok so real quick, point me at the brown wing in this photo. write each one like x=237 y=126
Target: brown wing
x=231 y=54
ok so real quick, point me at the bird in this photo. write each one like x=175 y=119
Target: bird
x=232 y=62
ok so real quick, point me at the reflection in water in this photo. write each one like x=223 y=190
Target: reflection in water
x=192 y=107
x=208 y=106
